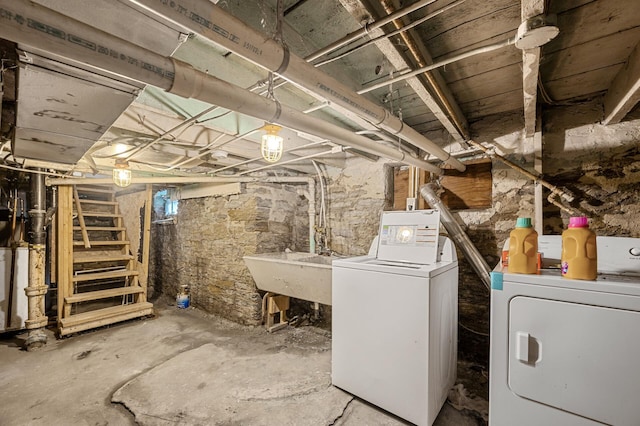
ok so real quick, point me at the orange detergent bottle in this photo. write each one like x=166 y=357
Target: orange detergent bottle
x=523 y=248
x=579 y=252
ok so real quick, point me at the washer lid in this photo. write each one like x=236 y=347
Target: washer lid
x=372 y=264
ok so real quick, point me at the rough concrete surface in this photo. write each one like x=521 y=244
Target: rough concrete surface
x=184 y=367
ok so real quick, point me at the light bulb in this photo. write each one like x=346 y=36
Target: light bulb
x=272 y=143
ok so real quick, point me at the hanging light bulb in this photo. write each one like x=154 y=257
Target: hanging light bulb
x=272 y=143
x=122 y=173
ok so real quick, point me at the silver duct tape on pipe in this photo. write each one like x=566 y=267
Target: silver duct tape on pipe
x=212 y=22
x=29 y=23
x=458 y=235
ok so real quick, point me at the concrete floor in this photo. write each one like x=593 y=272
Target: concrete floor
x=186 y=367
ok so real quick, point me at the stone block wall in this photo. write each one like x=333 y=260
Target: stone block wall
x=204 y=249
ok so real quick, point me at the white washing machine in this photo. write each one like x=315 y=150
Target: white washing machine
x=567 y=352
x=395 y=318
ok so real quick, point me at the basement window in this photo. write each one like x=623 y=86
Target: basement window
x=466 y=190
x=165 y=203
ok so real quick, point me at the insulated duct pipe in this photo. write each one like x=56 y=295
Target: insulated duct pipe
x=37 y=288
x=212 y=22
x=48 y=30
x=462 y=240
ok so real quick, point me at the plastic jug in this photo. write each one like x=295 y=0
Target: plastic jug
x=579 y=252
x=523 y=248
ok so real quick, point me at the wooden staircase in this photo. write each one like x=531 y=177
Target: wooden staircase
x=98 y=277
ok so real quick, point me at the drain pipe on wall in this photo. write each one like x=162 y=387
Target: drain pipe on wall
x=458 y=235
x=37 y=288
x=177 y=77
x=563 y=193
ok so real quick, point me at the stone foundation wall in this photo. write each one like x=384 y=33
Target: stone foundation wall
x=204 y=249
x=604 y=176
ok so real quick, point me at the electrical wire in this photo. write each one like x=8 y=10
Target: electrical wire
x=38 y=172
x=473 y=331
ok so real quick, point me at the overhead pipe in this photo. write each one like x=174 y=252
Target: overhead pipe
x=413 y=48
x=400 y=30
x=439 y=64
x=461 y=239
x=61 y=35
x=556 y=191
x=212 y=22
x=367 y=28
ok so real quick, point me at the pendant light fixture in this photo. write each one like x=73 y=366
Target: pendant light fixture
x=122 y=173
x=272 y=143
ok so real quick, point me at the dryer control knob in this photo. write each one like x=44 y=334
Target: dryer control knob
x=635 y=251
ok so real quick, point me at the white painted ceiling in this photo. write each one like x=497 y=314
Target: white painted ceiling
x=73 y=116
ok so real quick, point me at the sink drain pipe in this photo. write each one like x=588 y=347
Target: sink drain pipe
x=458 y=235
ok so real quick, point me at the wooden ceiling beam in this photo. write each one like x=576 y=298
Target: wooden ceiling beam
x=358 y=9
x=624 y=91
x=530 y=69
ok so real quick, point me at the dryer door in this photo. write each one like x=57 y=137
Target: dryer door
x=578 y=358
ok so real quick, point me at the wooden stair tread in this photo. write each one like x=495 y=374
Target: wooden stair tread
x=100 y=317
x=100 y=214
x=101 y=202
x=100 y=228
x=118 y=257
x=95 y=190
x=103 y=275
x=103 y=294
x=103 y=243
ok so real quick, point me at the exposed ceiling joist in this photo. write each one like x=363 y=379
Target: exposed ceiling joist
x=530 y=69
x=399 y=62
x=624 y=92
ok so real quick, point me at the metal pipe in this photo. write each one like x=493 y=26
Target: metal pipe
x=439 y=64
x=391 y=34
x=169 y=180
x=562 y=192
x=334 y=150
x=368 y=27
x=252 y=160
x=212 y=22
x=462 y=240
x=37 y=288
x=188 y=121
x=69 y=38
x=411 y=44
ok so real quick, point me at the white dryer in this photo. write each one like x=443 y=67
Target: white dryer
x=566 y=352
x=394 y=318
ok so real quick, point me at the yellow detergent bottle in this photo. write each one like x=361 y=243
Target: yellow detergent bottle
x=579 y=252
x=523 y=248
